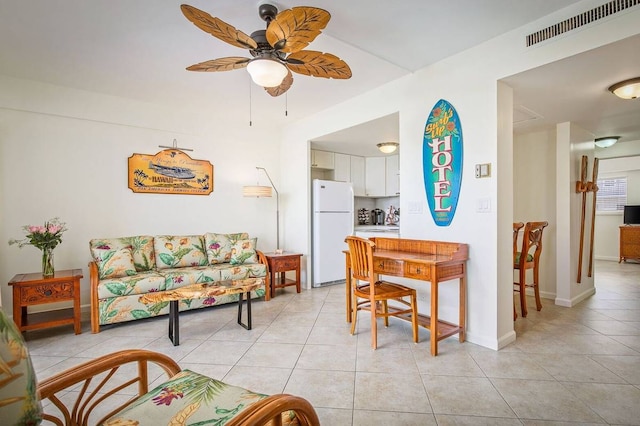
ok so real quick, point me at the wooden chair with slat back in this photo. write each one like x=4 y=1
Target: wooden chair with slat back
x=517 y=226
x=529 y=258
x=373 y=295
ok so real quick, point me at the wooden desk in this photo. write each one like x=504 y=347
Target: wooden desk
x=34 y=289
x=280 y=263
x=433 y=261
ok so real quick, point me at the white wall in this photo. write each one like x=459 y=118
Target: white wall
x=469 y=82
x=64 y=153
x=572 y=143
x=534 y=198
x=620 y=160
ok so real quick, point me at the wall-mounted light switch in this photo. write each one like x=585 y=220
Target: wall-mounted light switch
x=483 y=170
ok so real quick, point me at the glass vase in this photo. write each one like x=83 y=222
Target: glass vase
x=47 y=262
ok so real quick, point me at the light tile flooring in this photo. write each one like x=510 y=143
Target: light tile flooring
x=576 y=365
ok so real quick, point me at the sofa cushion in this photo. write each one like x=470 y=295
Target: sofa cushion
x=115 y=263
x=19 y=403
x=219 y=246
x=141 y=248
x=238 y=272
x=244 y=251
x=142 y=282
x=176 y=251
x=179 y=277
x=191 y=398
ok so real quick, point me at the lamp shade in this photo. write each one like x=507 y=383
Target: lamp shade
x=628 y=89
x=267 y=72
x=388 y=147
x=256 y=191
x=606 y=142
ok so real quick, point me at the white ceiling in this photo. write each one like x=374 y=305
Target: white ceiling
x=139 y=49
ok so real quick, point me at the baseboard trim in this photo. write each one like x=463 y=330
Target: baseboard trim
x=568 y=303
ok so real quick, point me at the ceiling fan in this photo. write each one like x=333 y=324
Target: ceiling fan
x=276 y=51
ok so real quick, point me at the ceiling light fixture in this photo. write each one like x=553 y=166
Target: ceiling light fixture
x=267 y=72
x=388 y=147
x=628 y=89
x=606 y=142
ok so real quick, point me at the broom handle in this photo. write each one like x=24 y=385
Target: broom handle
x=594 y=189
x=582 y=188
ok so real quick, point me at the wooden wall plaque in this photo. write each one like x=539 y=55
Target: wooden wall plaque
x=170 y=171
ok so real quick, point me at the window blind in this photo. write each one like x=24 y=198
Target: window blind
x=612 y=194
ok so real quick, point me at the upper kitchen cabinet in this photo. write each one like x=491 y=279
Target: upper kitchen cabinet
x=392 y=174
x=375 y=178
x=322 y=160
x=382 y=176
x=358 y=175
x=342 y=167
x=350 y=168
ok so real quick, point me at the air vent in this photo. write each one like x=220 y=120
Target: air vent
x=578 y=21
x=523 y=115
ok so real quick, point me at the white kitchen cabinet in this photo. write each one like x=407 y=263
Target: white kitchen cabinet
x=322 y=159
x=357 y=175
x=375 y=177
x=392 y=175
x=342 y=167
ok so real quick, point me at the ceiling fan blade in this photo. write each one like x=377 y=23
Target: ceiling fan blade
x=220 y=64
x=218 y=28
x=293 y=29
x=284 y=86
x=318 y=64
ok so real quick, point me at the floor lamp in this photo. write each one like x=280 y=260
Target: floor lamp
x=265 y=191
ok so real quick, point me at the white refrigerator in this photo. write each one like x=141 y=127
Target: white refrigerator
x=332 y=223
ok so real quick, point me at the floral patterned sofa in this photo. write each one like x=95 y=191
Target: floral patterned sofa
x=125 y=268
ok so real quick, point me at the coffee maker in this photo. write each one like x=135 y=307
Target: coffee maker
x=377 y=217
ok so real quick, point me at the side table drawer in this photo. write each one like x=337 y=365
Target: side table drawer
x=282 y=265
x=46 y=293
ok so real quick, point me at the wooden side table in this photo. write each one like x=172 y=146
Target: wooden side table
x=280 y=264
x=34 y=289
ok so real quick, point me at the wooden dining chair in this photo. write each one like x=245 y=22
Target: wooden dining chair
x=517 y=226
x=529 y=258
x=373 y=295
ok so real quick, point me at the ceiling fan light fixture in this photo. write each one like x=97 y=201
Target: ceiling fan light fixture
x=388 y=147
x=628 y=89
x=606 y=141
x=267 y=72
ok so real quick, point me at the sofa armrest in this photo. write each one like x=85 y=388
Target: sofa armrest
x=103 y=386
x=94 y=280
x=267 y=280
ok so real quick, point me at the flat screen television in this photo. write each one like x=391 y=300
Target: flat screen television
x=631 y=215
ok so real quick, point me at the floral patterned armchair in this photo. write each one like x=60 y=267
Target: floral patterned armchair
x=114 y=390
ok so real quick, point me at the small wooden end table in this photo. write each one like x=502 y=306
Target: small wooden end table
x=202 y=291
x=280 y=263
x=34 y=289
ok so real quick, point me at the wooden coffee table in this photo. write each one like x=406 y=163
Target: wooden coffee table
x=202 y=291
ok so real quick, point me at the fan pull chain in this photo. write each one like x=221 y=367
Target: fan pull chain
x=250 y=120
x=286 y=104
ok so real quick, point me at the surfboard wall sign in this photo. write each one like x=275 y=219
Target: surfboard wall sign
x=442 y=155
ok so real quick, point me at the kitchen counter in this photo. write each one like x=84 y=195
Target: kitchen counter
x=368 y=231
x=377 y=228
